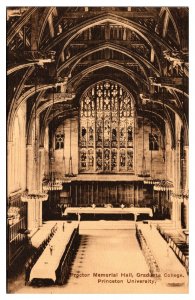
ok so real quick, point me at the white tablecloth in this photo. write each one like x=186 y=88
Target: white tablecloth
x=170 y=267
x=47 y=264
x=108 y=210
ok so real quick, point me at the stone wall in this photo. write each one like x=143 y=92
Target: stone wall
x=158 y=166
x=17 y=153
x=70 y=148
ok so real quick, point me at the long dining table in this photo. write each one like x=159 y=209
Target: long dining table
x=109 y=210
x=48 y=262
x=171 y=269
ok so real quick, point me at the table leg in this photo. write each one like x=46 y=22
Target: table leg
x=135 y=217
x=79 y=218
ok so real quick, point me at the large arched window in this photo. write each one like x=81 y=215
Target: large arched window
x=106 y=129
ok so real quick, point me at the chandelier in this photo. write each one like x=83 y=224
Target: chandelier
x=151 y=181
x=163 y=185
x=53 y=185
x=70 y=170
x=55 y=182
x=144 y=172
x=184 y=195
x=25 y=197
x=148 y=178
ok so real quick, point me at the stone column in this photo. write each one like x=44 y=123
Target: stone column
x=137 y=193
x=186 y=203
x=31 y=212
x=186 y=149
x=39 y=211
x=10 y=166
x=176 y=211
x=31 y=215
x=177 y=168
x=34 y=220
x=40 y=219
x=39 y=216
x=41 y=166
x=29 y=166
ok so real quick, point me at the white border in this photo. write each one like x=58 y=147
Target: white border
x=126 y=3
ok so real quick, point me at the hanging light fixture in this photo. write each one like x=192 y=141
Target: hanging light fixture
x=63 y=156
x=151 y=180
x=144 y=172
x=25 y=197
x=64 y=178
x=164 y=185
x=35 y=109
x=54 y=184
x=70 y=170
x=183 y=195
x=182 y=155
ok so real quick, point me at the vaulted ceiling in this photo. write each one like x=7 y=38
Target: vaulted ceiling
x=55 y=53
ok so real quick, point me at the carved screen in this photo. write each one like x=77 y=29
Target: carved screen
x=106 y=129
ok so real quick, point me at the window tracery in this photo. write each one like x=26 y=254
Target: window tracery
x=59 y=140
x=153 y=142
x=106 y=129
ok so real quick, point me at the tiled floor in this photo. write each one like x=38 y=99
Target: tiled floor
x=105 y=251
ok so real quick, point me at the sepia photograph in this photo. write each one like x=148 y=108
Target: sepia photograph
x=97 y=149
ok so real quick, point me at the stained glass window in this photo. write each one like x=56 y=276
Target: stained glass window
x=106 y=136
